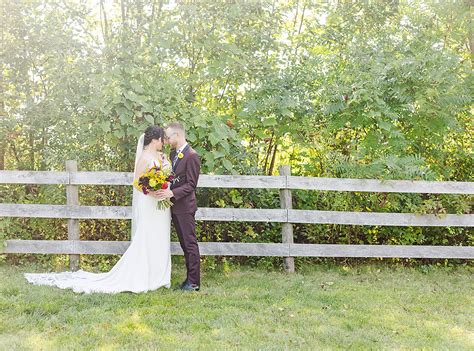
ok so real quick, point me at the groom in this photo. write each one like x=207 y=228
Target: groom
x=186 y=166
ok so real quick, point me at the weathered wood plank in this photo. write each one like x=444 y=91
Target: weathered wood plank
x=124 y=212
x=245 y=181
x=101 y=178
x=243 y=249
x=245 y=215
x=374 y=218
x=241 y=214
x=241 y=181
x=385 y=186
x=205 y=180
x=65 y=211
x=327 y=250
x=39 y=246
x=33 y=177
x=119 y=247
x=247 y=249
x=126 y=178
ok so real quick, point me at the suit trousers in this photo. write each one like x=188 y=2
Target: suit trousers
x=185 y=226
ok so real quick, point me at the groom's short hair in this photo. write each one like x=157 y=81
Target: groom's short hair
x=177 y=126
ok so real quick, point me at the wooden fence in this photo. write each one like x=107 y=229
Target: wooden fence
x=74 y=212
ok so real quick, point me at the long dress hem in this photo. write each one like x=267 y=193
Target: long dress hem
x=145 y=266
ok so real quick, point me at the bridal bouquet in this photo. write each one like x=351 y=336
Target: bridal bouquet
x=155 y=178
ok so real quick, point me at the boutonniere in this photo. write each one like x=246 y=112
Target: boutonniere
x=173 y=178
x=180 y=155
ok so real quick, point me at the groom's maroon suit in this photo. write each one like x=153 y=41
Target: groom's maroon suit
x=184 y=208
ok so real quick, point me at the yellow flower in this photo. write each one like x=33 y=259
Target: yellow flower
x=180 y=155
x=135 y=184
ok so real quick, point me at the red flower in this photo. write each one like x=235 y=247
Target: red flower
x=164 y=186
x=144 y=190
x=170 y=177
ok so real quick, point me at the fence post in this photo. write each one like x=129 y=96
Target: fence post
x=287 y=228
x=72 y=197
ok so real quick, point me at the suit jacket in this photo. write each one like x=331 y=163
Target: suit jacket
x=187 y=171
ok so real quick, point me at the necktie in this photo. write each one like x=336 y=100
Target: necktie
x=175 y=159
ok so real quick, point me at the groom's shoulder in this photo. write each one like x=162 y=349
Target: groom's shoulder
x=194 y=155
x=192 y=151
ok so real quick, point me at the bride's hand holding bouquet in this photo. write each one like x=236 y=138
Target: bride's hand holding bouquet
x=153 y=179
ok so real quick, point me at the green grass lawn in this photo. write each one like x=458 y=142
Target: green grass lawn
x=322 y=307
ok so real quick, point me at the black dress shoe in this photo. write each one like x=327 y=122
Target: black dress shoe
x=181 y=285
x=190 y=287
x=178 y=287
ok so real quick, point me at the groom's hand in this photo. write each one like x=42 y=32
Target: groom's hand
x=163 y=194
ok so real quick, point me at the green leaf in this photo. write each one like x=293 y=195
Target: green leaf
x=237 y=199
x=227 y=164
x=220 y=203
x=214 y=139
x=150 y=119
x=105 y=126
x=271 y=121
x=384 y=125
x=119 y=133
x=191 y=136
x=137 y=87
x=218 y=154
x=286 y=112
x=125 y=119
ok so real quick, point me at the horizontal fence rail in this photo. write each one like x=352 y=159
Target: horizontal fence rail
x=285 y=215
x=247 y=215
x=247 y=182
x=246 y=249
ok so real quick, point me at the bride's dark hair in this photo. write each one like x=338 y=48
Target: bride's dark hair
x=153 y=132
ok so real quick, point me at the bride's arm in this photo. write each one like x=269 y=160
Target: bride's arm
x=141 y=167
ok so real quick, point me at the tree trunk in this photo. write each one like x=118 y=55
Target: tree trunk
x=272 y=164
x=3 y=150
x=3 y=143
x=270 y=144
x=31 y=143
x=31 y=188
x=105 y=28
x=470 y=38
x=43 y=148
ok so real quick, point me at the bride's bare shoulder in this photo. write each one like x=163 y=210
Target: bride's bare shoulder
x=144 y=160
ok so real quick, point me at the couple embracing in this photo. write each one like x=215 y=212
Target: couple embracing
x=146 y=264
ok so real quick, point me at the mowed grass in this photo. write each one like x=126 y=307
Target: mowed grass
x=321 y=307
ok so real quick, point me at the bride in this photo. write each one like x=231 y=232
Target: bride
x=146 y=265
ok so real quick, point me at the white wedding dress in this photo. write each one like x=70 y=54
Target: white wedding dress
x=145 y=266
